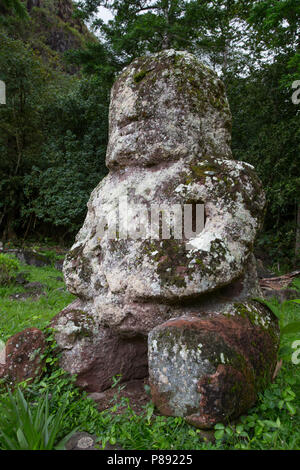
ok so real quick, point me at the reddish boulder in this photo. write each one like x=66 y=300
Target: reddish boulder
x=97 y=354
x=23 y=356
x=210 y=369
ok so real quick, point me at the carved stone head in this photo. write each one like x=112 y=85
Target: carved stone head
x=164 y=107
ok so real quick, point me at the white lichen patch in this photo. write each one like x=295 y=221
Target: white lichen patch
x=176 y=372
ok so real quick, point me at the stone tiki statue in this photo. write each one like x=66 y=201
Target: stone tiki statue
x=176 y=308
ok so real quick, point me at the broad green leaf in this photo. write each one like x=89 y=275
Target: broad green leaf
x=219 y=434
x=291 y=328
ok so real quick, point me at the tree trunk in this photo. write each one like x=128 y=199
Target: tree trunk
x=166 y=38
x=297 y=244
x=9 y=231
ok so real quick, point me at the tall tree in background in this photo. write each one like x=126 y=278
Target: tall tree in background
x=14 y=6
x=266 y=133
x=254 y=46
x=210 y=29
x=20 y=123
x=53 y=133
x=53 y=128
x=141 y=26
x=72 y=156
x=277 y=25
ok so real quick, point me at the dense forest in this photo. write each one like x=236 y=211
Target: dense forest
x=58 y=74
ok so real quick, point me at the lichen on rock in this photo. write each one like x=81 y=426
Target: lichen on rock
x=210 y=369
x=169 y=145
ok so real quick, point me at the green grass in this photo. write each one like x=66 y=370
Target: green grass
x=16 y=315
x=274 y=422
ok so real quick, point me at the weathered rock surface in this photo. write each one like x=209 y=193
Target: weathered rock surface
x=210 y=369
x=169 y=145
x=82 y=441
x=96 y=354
x=85 y=441
x=23 y=353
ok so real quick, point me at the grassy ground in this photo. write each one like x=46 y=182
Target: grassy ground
x=274 y=423
x=16 y=315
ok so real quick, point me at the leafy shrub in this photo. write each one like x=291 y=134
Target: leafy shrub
x=82 y=412
x=30 y=426
x=296 y=283
x=288 y=314
x=273 y=423
x=8 y=269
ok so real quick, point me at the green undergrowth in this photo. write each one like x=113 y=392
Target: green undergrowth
x=288 y=315
x=16 y=315
x=274 y=422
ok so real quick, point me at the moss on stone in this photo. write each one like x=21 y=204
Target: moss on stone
x=138 y=77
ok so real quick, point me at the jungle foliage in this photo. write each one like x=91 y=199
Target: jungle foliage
x=53 y=130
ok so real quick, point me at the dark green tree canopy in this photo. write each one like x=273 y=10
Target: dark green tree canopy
x=213 y=30
x=16 y=7
x=53 y=130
